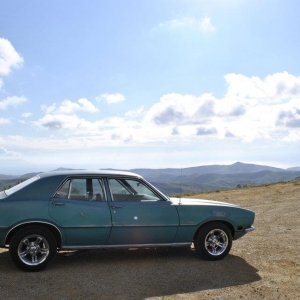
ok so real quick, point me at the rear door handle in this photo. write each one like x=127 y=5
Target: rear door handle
x=116 y=206
x=58 y=203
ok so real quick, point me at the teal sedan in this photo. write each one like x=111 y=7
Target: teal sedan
x=76 y=210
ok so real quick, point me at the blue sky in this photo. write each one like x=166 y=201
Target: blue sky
x=133 y=84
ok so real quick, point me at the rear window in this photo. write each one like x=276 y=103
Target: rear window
x=21 y=185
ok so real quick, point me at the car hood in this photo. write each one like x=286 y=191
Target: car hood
x=203 y=202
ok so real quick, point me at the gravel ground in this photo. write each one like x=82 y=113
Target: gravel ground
x=264 y=264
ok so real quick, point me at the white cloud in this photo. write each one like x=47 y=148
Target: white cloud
x=273 y=88
x=9 y=57
x=176 y=109
x=111 y=98
x=69 y=107
x=242 y=116
x=86 y=105
x=206 y=131
x=76 y=126
x=16 y=137
x=206 y=25
x=135 y=113
x=203 y=24
x=64 y=122
x=26 y=115
x=6 y=152
x=292 y=136
x=252 y=108
x=12 y=101
x=289 y=118
x=1 y=83
x=3 y=121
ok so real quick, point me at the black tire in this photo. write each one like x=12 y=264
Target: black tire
x=213 y=241
x=32 y=248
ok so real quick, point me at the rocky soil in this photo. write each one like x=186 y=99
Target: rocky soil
x=264 y=264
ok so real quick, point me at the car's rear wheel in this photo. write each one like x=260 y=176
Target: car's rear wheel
x=213 y=241
x=32 y=248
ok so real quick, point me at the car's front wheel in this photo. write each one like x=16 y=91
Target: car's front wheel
x=32 y=248
x=213 y=241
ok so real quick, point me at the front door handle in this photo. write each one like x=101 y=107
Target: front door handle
x=58 y=203
x=116 y=206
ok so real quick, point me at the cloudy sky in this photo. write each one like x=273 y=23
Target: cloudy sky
x=153 y=83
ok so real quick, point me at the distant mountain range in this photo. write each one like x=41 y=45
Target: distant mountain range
x=201 y=178
x=215 y=177
x=294 y=169
x=211 y=169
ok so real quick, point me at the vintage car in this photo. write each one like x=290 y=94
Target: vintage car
x=68 y=210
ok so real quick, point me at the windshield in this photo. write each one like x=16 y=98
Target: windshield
x=21 y=185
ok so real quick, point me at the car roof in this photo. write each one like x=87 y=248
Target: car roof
x=88 y=173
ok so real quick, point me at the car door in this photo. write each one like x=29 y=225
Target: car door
x=139 y=214
x=81 y=209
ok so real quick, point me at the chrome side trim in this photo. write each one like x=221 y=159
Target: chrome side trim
x=87 y=226
x=248 y=229
x=141 y=225
x=121 y=226
x=124 y=226
x=125 y=246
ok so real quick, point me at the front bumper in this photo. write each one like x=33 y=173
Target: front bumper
x=239 y=234
x=248 y=229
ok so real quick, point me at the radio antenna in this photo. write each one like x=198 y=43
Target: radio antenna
x=180 y=186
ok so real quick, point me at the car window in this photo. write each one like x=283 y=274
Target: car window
x=131 y=190
x=89 y=189
x=63 y=192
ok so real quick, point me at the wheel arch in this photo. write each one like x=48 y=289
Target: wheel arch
x=228 y=224
x=52 y=228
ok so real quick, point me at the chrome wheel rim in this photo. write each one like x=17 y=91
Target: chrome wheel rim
x=216 y=242
x=33 y=250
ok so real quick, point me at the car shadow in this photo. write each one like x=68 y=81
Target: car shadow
x=126 y=274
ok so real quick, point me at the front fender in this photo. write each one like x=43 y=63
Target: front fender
x=193 y=217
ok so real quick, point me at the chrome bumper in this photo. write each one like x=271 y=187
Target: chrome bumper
x=248 y=229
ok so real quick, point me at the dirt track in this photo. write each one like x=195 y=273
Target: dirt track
x=265 y=264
